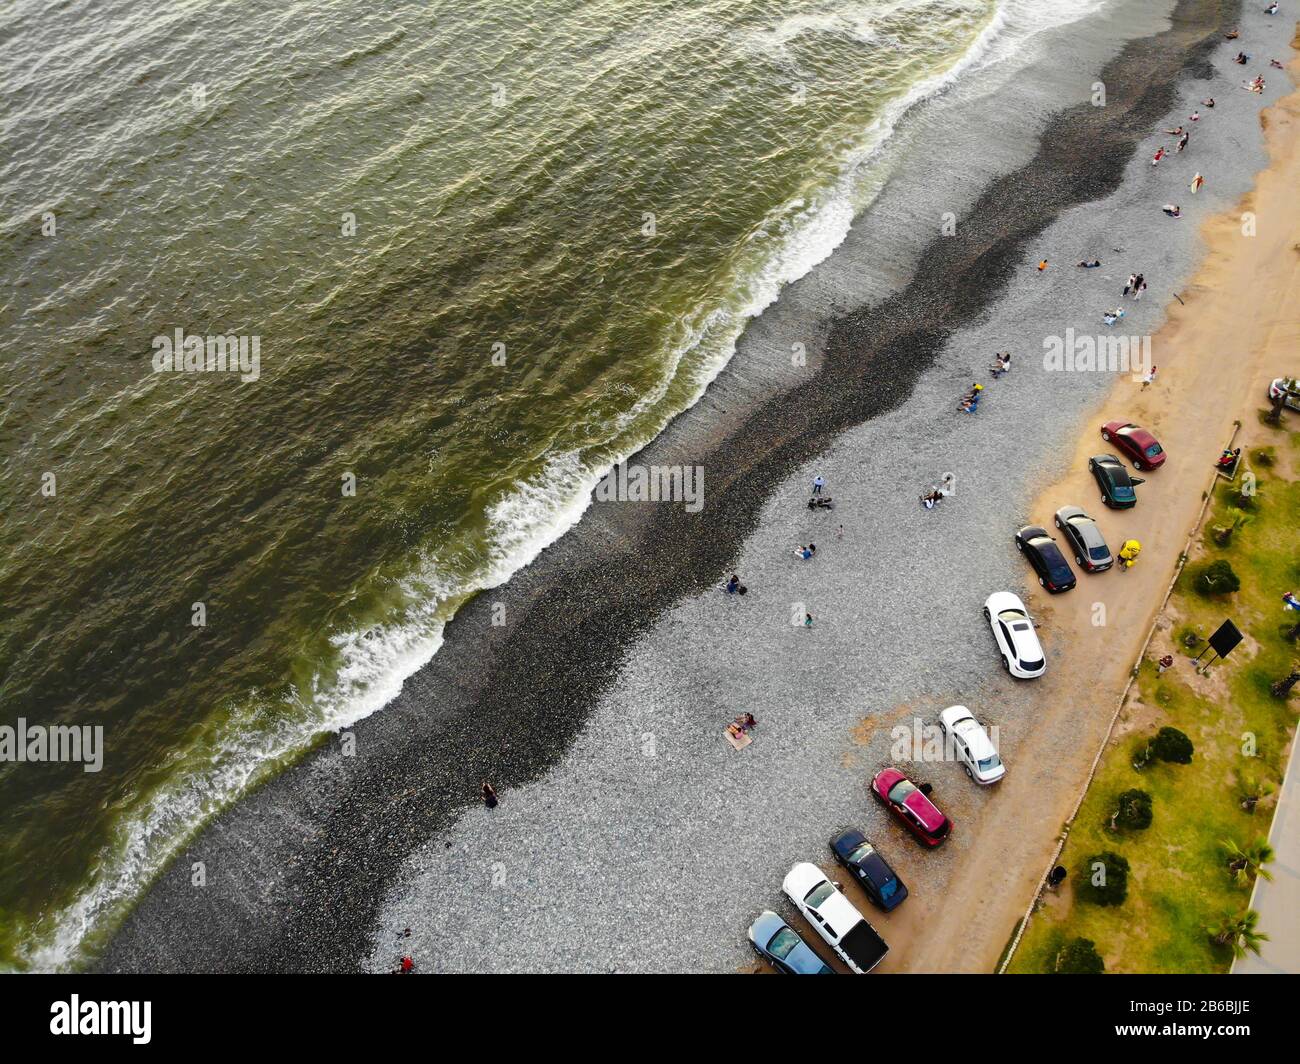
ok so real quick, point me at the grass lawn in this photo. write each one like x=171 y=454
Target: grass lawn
x=1178 y=881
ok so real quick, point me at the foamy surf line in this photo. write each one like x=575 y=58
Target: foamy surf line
x=375 y=670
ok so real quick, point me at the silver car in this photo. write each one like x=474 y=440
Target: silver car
x=1085 y=539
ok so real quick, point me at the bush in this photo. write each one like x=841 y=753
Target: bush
x=1264 y=456
x=1173 y=746
x=1217 y=578
x=1079 y=957
x=1134 y=810
x=1103 y=879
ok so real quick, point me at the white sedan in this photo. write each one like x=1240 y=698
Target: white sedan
x=972 y=745
x=1013 y=628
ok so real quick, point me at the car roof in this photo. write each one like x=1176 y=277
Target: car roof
x=977 y=739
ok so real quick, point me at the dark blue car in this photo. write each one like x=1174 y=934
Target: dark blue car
x=869 y=869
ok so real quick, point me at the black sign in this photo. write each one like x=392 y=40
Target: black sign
x=1225 y=639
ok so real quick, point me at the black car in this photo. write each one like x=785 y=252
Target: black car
x=870 y=870
x=1054 y=572
x=1113 y=480
x=1085 y=539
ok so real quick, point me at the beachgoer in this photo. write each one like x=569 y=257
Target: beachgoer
x=1241 y=59
x=1131 y=283
x=1042 y=266
x=1164 y=663
x=1271 y=9
x=1085 y=264
x=1150 y=378
x=1208 y=101
x=1275 y=63
x=1195 y=116
x=1142 y=287
x=1138 y=282
x=1176 y=131
x=745 y=722
x=407 y=965
x=1197 y=182
x=1182 y=141
x=839 y=532
x=1231 y=35
x=1290 y=602
x=818 y=484
x=489 y=795
x=807 y=620
x=1173 y=210
x=804 y=552
x=733 y=584
x=1160 y=154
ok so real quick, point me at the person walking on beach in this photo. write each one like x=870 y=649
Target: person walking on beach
x=807 y=620
x=1182 y=141
x=818 y=484
x=1150 y=378
x=489 y=795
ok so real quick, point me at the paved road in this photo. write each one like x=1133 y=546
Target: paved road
x=1278 y=901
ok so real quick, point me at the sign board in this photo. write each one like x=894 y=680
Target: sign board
x=1225 y=638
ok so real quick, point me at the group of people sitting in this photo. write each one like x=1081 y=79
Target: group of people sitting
x=971 y=400
x=1229 y=457
x=1112 y=316
x=819 y=502
x=741 y=725
x=1001 y=363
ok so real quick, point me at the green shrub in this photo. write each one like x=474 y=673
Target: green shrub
x=1103 y=879
x=1173 y=746
x=1134 y=811
x=1079 y=957
x=1217 y=578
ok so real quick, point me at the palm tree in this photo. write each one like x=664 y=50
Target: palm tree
x=1239 y=932
x=1245 y=865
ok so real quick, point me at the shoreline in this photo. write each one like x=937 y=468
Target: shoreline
x=308 y=898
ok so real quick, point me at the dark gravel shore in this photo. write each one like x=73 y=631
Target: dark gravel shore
x=296 y=873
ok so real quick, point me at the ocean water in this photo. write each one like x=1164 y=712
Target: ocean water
x=486 y=251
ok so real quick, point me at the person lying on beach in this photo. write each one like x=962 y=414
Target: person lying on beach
x=806 y=552
x=931 y=497
x=1290 y=602
x=1173 y=210
x=1271 y=9
x=1112 y=316
x=1160 y=154
x=974 y=392
x=1042 y=266
x=1275 y=63
x=1195 y=116
x=1176 y=132
x=969 y=406
x=821 y=503
x=1085 y=264
x=1208 y=101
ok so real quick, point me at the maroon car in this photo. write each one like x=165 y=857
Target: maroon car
x=909 y=804
x=1137 y=444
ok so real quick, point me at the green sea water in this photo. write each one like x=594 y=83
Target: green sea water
x=486 y=251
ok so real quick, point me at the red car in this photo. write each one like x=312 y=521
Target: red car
x=1138 y=445
x=905 y=800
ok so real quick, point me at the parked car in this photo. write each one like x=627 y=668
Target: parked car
x=778 y=944
x=854 y=940
x=1013 y=630
x=972 y=745
x=1287 y=389
x=1135 y=442
x=871 y=871
x=1054 y=572
x=910 y=806
x=1085 y=539
x=1114 y=481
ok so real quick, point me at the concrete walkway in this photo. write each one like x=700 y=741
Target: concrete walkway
x=1278 y=902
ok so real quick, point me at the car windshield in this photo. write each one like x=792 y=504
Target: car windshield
x=1099 y=554
x=860 y=851
x=900 y=790
x=783 y=943
x=1153 y=450
x=819 y=894
x=1123 y=491
x=988 y=764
